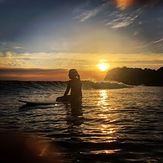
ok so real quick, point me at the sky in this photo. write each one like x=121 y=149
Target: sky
x=43 y=39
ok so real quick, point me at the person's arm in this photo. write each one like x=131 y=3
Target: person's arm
x=67 y=89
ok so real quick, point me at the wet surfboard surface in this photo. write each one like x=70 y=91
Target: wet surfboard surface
x=41 y=102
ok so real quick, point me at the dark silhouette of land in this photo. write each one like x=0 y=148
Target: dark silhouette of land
x=136 y=76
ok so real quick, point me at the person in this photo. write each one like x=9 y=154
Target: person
x=74 y=86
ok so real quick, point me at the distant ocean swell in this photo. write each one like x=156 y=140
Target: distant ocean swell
x=52 y=85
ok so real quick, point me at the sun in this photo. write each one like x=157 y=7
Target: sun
x=103 y=66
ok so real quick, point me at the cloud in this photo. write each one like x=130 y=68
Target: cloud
x=158 y=41
x=44 y=60
x=11 y=46
x=81 y=61
x=120 y=25
x=113 y=18
x=33 y=74
x=89 y=13
x=122 y=19
x=157 y=45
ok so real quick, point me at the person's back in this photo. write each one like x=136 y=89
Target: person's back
x=75 y=86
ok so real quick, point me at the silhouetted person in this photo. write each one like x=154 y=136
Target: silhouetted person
x=74 y=86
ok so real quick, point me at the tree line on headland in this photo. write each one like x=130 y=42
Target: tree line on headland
x=136 y=76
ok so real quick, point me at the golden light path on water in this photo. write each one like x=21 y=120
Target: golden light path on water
x=103 y=103
x=106 y=129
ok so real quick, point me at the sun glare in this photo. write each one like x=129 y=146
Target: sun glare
x=103 y=66
x=123 y=4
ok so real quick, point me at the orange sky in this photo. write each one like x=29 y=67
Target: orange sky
x=47 y=75
x=48 y=66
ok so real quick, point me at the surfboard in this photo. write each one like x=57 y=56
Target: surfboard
x=32 y=103
x=59 y=100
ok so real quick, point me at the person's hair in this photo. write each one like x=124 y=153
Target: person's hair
x=75 y=73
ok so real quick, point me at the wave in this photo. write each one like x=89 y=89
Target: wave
x=56 y=85
x=88 y=84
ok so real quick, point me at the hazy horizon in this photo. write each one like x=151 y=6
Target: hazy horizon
x=53 y=74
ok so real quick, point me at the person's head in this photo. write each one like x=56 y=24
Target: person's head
x=73 y=74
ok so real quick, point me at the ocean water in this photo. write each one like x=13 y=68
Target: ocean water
x=119 y=123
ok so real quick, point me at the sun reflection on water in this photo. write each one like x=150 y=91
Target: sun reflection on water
x=109 y=151
x=103 y=98
x=107 y=129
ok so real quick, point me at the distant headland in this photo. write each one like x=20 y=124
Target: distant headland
x=136 y=76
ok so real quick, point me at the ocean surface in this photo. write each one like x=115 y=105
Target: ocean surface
x=119 y=123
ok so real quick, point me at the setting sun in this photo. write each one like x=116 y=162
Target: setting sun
x=103 y=66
